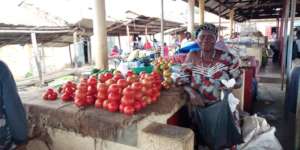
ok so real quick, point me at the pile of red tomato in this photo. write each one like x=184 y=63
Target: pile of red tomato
x=115 y=92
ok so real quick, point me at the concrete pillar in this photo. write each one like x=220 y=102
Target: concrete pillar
x=190 y=25
x=100 y=34
x=162 y=28
x=231 y=18
x=201 y=10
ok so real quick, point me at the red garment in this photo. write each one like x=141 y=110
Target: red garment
x=114 y=52
x=166 y=51
x=147 y=45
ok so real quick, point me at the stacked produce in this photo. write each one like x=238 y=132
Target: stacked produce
x=68 y=91
x=164 y=68
x=50 y=95
x=127 y=94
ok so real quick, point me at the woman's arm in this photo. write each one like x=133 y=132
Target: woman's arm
x=13 y=107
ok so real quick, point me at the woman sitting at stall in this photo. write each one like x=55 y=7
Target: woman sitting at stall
x=208 y=66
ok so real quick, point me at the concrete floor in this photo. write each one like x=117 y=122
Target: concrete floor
x=270 y=105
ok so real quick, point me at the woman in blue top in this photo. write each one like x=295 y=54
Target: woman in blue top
x=13 y=123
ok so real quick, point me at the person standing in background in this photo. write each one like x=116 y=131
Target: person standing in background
x=166 y=50
x=187 y=39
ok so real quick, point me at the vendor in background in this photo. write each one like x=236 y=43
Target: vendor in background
x=166 y=50
x=155 y=44
x=147 y=45
x=115 y=52
x=13 y=123
x=298 y=42
x=187 y=39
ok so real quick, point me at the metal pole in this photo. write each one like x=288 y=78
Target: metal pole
x=128 y=36
x=162 y=28
x=283 y=47
x=100 y=34
x=75 y=44
x=37 y=57
x=291 y=39
x=190 y=25
x=231 y=15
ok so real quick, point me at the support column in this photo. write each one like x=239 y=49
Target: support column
x=100 y=34
x=231 y=17
x=119 y=40
x=162 y=29
x=201 y=11
x=128 y=36
x=291 y=39
x=75 y=44
x=37 y=57
x=190 y=25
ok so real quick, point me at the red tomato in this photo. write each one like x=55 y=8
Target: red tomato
x=128 y=110
x=138 y=95
x=122 y=83
x=105 y=104
x=150 y=92
x=50 y=90
x=101 y=87
x=121 y=107
x=153 y=98
x=147 y=83
x=129 y=73
x=92 y=81
x=102 y=78
x=45 y=96
x=52 y=96
x=117 y=76
x=114 y=97
x=137 y=86
x=66 y=97
x=114 y=88
x=147 y=99
x=155 y=74
x=79 y=102
x=144 y=104
x=110 y=82
x=98 y=103
x=90 y=100
x=102 y=95
x=69 y=90
x=127 y=100
x=137 y=106
x=130 y=79
x=112 y=106
x=80 y=94
x=108 y=75
x=128 y=91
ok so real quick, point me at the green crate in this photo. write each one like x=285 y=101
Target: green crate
x=147 y=69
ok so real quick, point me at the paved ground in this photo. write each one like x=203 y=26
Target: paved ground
x=269 y=104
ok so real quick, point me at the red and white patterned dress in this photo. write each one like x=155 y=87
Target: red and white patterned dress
x=209 y=84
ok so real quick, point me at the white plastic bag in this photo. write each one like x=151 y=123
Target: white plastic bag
x=258 y=135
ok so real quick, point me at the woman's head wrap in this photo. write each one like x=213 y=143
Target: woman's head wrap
x=207 y=27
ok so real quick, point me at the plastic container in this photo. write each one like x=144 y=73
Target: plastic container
x=147 y=69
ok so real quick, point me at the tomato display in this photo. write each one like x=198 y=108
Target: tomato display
x=50 y=95
x=114 y=92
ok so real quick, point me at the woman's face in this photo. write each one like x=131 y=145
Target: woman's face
x=206 y=40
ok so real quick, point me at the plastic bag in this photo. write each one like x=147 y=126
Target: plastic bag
x=216 y=126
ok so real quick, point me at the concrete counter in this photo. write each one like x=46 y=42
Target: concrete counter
x=62 y=125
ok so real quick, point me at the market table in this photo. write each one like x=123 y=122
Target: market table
x=62 y=125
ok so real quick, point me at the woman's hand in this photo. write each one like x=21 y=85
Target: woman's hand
x=195 y=98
